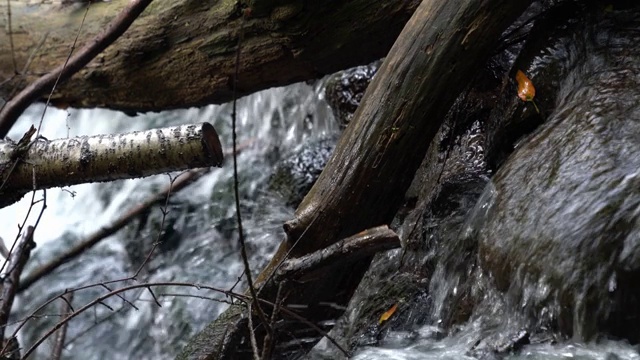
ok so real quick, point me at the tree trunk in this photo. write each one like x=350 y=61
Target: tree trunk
x=364 y=182
x=182 y=53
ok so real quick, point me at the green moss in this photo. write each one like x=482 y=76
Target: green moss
x=223 y=8
x=219 y=43
x=286 y=12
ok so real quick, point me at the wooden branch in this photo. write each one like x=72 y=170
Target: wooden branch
x=362 y=245
x=17 y=260
x=364 y=182
x=105 y=157
x=180 y=53
x=45 y=84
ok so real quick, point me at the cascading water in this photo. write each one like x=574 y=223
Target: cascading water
x=458 y=312
x=199 y=241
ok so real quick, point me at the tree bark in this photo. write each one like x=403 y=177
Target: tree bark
x=43 y=164
x=181 y=53
x=364 y=182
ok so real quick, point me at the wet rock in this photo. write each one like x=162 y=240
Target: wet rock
x=562 y=235
x=550 y=51
x=344 y=90
x=295 y=175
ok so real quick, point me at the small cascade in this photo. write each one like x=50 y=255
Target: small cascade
x=199 y=236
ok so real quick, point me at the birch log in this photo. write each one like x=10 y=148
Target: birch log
x=84 y=159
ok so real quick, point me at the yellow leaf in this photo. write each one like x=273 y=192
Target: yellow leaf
x=526 y=91
x=387 y=314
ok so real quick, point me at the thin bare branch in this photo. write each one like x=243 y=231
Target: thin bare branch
x=17 y=260
x=10 y=30
x=66 y=62
x=66 y=309
x=252 y=333
x=243 y=248
x=180 y=183
x=165 y=211
x=100 y=300
x=120 y=296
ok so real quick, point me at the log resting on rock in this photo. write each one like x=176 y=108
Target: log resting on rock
x=375 y=160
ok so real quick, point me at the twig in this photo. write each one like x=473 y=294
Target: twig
x=267 y=347
x=243 y=248
x=114 y=30
x=56 y=354
x=10 y=30
x=66 y=61
x=252 y=333
x=165 y=211
x=313 y=326
x=100 y=300
x=182 y=181
x=20 y=227
x=17 y=260
x=24 y=69
x=222 y=301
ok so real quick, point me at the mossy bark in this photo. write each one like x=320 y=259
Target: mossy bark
x=182 y=53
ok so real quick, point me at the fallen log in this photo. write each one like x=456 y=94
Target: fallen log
x=181 y=53
x=364 y=182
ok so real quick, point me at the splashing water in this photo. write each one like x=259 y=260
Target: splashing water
x=200 y=226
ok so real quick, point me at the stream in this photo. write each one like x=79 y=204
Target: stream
x=275 y=121
x=199 y=238
x=521 y=254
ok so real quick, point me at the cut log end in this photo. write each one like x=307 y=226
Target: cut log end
x=212 y=145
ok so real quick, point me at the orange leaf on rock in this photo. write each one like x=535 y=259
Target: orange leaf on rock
x=526 y=90
x=387 y=314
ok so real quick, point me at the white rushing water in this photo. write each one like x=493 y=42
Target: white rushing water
x=273 y=123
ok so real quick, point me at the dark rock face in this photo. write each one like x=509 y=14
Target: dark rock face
x=344 y=90
x=562 y=236
x=296 y=174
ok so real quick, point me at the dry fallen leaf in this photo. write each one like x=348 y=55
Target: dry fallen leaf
x=387 y=314
x=526 y=91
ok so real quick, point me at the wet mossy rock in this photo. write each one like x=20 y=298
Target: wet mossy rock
x=295 y=175
x=562 y=235
x=345 y=89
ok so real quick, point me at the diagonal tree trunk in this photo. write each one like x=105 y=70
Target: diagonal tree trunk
x=181 y=53
x=364 y=182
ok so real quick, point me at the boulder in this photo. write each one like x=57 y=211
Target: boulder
x=561 y=237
